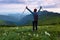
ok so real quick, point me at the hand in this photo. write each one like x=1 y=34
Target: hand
x=26 y=7
x=40 y=7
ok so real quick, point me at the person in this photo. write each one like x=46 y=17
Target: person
x=35 y=16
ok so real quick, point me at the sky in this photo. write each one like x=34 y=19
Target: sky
x=19 y=5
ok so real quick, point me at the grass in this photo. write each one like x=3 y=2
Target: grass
x=26 y=33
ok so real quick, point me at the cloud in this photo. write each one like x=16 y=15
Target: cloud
x=12 y=8
x=15 y=7
x=11 y=1
x=19 y=5
x=44 y=3
x=49 y=3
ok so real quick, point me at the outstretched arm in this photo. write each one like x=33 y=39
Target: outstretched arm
x=40 y=8
x=28 y=9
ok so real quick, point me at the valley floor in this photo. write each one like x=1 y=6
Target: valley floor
x=49 y=32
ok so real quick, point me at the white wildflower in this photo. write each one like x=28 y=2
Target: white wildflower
x=47 y=33
x=47 y=26
x=4 y=34
x=29 y=34
x=33 y=34
x=16 y=27
x=37 y=35
x=18 y=33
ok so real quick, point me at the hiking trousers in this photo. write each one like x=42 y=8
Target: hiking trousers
x=35 y=24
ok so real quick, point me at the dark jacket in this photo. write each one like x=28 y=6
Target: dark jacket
x=35 y=14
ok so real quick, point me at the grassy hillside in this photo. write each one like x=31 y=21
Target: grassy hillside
x=1 y=21
x=26 y=33
x=4 y=23
x=49 y=20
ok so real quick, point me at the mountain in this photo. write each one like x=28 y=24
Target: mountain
x=7 y=20
x=6 y=23
x=10 y=18
x=17 y=16
x=45 y=17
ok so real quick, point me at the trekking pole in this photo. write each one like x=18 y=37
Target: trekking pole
x=25 y=8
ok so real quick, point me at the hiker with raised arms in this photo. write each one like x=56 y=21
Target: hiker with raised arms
x=35 y=17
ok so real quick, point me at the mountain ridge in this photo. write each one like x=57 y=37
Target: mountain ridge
x=44 y=16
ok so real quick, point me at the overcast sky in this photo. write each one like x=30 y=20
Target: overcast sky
x=19 y=5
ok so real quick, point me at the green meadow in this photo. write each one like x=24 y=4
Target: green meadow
x=49 y=32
